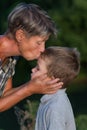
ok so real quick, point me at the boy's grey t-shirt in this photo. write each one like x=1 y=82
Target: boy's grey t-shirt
x=55 y=113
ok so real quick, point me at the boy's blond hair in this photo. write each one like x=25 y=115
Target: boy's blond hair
x=62 y=62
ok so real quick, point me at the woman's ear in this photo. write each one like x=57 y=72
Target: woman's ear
x=20 y=35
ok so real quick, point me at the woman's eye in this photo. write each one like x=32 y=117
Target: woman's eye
x=39 y=43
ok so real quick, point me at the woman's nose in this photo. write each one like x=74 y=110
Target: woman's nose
x=42 y=48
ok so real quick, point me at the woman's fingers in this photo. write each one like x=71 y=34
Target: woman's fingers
x=44 y=85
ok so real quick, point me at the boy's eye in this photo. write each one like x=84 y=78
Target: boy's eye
x=37 y=67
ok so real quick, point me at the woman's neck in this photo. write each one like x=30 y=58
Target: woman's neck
x=8 y=47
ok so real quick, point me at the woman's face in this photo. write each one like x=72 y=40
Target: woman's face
x=31 y=48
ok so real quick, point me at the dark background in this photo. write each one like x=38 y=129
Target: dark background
x=71 y=20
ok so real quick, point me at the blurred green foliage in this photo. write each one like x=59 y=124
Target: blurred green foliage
x=70 y=17
x=81 y=122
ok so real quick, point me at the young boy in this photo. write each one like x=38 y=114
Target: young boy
x=55 y=111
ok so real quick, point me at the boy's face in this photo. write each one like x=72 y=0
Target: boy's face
x=40 y=68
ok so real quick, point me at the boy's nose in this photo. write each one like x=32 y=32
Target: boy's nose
x=33 y=70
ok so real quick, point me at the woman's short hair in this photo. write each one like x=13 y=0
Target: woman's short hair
x=32 y=19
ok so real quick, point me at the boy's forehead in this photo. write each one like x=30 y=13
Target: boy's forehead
x=40 y=60
x=43 y=60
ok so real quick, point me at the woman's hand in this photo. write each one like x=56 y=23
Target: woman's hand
x=41 y=84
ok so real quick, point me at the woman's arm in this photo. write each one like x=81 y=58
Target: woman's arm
x=38 y=85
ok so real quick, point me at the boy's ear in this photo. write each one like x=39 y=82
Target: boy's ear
x=20 y=35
